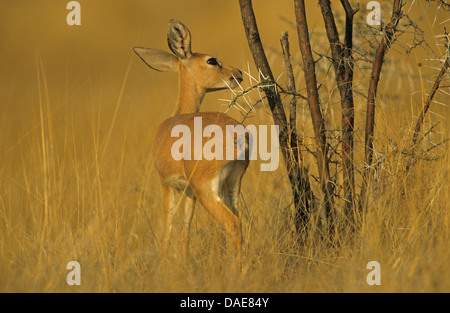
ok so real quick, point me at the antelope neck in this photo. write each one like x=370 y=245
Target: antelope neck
x=189 y=95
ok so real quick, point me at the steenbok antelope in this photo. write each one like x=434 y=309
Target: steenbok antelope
x=215 y=183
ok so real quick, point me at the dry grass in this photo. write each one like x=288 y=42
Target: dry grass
x=77 y=183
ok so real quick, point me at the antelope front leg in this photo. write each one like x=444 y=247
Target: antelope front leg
x=169 y=210
x=188 y=214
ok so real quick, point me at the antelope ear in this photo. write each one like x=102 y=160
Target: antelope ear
x=157 y=59
x=179 y=39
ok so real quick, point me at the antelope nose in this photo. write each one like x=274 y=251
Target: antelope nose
x=239 y=77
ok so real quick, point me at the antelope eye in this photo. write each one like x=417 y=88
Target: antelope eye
x=212 y=61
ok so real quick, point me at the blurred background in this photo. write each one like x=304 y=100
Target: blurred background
x=78 y=110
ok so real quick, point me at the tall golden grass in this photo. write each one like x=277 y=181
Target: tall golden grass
x=77 y=181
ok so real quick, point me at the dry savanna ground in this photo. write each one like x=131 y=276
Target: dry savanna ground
x=78 y=111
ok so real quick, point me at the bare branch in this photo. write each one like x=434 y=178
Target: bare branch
x=314 y=102
x=290 y=83
x=430 y=98
x=374 y=79
x=287 y=132
x=260 y=59
x=302 y=190
x=343 y=62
